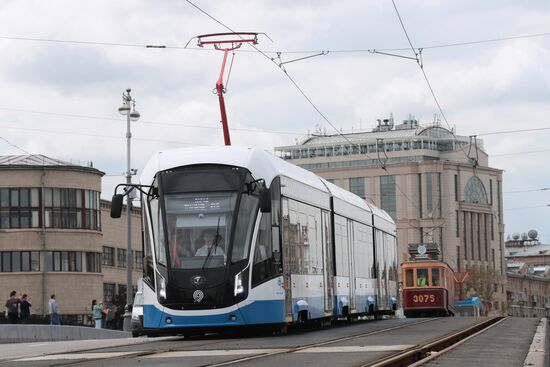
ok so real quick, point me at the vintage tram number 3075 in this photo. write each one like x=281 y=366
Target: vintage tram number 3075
x=424 y=298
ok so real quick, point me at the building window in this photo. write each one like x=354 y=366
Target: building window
x=420 y=195
x=138 y=260
x=465 y=230
x=71 y=208
x=387 y=195
x=492 y=227
x=357 y=186
x=491 y=192
x=66 y=261
x=457 y=231
x=499 y=202
x=108 y=256
x=472 y=232
x=108 y=292
x=19 y=261
x=486 y=235
x=93 y=262
x=456 y=188
x=19 y=208
x=474 y=192
x=439 y=198
x=122 y=289
x=429 y=194
x=121 y=257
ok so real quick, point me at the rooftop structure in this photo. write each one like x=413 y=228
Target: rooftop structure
x=430 y=139
x=38 y=160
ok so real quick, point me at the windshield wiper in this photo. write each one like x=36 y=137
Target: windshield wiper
x=214 y=244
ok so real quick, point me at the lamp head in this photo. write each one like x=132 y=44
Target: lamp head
x=134 y=115
x=124 y=109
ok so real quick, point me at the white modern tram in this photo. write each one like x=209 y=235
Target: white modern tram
x=235 y=236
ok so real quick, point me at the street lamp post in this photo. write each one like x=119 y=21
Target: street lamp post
x=128 y=108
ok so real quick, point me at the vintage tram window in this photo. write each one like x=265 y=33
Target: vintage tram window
x=409 y=278
x=435 y=277
x=421 y=277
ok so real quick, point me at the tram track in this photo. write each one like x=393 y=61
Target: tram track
x=270 y=352
x=411 y=356
x=422 y=353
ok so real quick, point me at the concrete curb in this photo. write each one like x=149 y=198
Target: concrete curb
x=538 y=351
x=36 y=333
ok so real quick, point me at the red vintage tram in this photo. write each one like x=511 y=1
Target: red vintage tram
x=428 y=283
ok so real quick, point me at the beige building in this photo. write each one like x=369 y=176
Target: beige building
x=54 y=230
x=437 y=186
x=528 y=273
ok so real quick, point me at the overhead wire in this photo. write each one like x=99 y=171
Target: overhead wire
x=419 y=61
x=15 y=145
x=300 y=90
x=149 y=122
x=89 y=135
x=312 y=51
x=305 y=96
x=290 y=78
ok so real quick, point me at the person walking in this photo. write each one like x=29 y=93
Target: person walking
x=24 y=309
x=53 y=306
x=97 y=313
x=12 y=308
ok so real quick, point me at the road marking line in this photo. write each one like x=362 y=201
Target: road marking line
x=219 y=352
x=214 y=353
x=357 y=349
x=53 y=357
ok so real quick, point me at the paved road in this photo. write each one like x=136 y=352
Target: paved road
x=347 y=345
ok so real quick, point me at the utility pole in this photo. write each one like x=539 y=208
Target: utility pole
x=128 y=108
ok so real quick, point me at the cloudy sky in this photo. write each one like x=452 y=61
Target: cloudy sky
x=65 y=64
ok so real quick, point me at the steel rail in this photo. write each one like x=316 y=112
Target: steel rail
x=142 y=353
x=422 y=352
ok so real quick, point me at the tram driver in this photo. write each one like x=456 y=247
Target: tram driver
x=212 y=244
x=421 y=277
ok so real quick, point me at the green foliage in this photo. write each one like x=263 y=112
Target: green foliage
x=481 y=282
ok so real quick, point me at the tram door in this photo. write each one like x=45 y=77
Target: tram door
x=381 y=269
x=327 y=260
x=352 y=304
x=287 y=260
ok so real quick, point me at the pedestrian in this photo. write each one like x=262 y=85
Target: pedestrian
x=25 y=309
x=12 y=308
x=104 y=313
x=53 y=306
x=96 y=313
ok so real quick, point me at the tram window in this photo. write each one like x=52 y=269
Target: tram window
x=409 y=278
x=421 y=277
x=435 y=277
x=263 y=267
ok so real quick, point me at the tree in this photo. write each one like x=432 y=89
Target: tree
x=481 y=282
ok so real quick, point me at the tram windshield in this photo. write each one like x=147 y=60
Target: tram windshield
x=210 y=213
x=198 y=226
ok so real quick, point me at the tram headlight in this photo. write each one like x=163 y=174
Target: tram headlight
x=162 y=286
x=239 y=288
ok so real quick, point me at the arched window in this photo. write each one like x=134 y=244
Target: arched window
x=474 y=192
